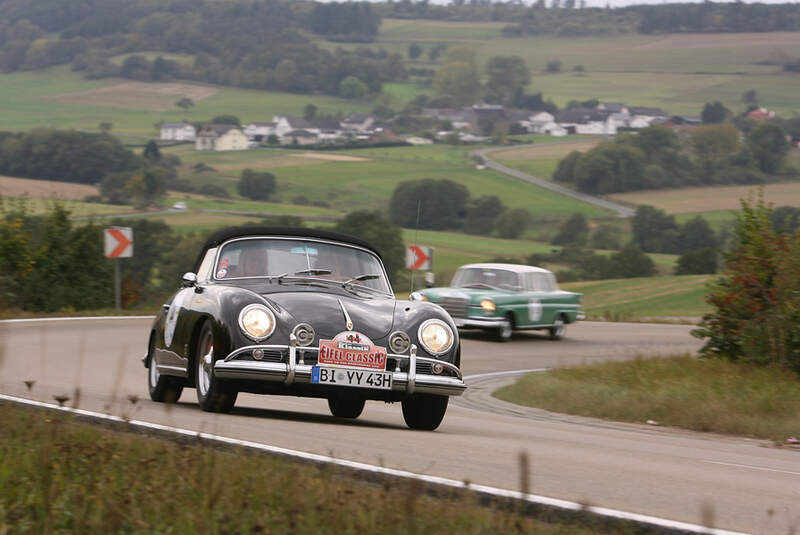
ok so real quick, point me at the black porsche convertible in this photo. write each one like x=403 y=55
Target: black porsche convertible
x=302 y=312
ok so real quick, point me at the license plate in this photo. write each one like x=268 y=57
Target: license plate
x=345 y=377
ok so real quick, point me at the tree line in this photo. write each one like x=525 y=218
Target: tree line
x=48 y=263
x=656 y=158
x=259 y=45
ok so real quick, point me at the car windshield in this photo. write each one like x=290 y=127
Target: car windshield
x=477 y=277
x=300 y=258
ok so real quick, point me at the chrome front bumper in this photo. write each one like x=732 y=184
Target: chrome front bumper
x=298 y=372
x=482 y=323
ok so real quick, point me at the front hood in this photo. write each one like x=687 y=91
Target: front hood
x=372 y=317
x=474 y=295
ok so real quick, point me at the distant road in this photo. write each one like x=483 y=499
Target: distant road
x=622 y=211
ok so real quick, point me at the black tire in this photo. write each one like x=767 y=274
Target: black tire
x=213 y=395
x=346 y=405
x=503 y=332
x=424 y=411
x=162 y=388
x=558 y=329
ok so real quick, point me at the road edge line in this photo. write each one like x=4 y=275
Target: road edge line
x=646 y=521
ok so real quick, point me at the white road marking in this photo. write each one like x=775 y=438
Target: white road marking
x=763 y=468
x=353 y=465
x=89 y=318
x=510 y=372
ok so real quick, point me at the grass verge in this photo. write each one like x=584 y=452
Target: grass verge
x=642 y=297
x=61 y=475
x=702 y=395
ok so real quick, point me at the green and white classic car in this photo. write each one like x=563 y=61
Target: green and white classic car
x=506 y=297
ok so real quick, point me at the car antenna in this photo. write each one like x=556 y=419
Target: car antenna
x=416 y=233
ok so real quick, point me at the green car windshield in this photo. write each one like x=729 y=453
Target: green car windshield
x=482 y=277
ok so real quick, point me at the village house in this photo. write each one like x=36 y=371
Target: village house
x=287 y=123
x=259 y=132
x=358 y=122
x=613 y=107
x=646 y=114
x=587 y=121
x=299 y=137
x=177 y=132
x=220 y=137
x=761 y=114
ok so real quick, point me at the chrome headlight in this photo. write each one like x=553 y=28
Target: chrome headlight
x=488 y=305
x=257 y=322
x=416 y=296
x=435 y=336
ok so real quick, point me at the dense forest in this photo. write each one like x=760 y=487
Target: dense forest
x=262 y=45
x=267 y=44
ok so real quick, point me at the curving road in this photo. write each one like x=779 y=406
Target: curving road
x=747 y=484
x=622 y=211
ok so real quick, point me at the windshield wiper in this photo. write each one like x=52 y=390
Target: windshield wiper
x=365 y=277
x=314 y=272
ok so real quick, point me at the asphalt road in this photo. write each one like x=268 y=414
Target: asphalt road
x=744 y=485
x=622 y=211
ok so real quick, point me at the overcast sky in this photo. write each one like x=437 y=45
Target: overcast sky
x=621 y=3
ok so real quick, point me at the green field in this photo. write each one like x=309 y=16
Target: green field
x=368 y=184
x=669 y=296
x=24 y=104
x=677 y=72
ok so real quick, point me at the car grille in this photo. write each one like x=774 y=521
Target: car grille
x=455 y=306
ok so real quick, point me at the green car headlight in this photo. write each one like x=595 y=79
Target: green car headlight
x=488 y=305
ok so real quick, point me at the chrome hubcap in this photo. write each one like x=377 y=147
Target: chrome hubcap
x=204 y=366
x=154 y=375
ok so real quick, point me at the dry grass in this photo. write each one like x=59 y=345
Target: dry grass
x=691 y=200
x=44 y=189
x=137 y=95
x=705 y=40
x=702 y=395
x=332 y=157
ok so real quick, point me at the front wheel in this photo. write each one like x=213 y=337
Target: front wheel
x=212 y=394
x=424 y=411
x=558 y=329
x=162 y=388
x=503 y=332
x=346 y=405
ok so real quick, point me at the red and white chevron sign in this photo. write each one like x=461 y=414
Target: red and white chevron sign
x=419 y=257
x=118 y=242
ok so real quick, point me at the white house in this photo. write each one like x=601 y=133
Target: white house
x=178 y=132
x=358 y=122
x=299 y=137
x=539 y=121
x=587 y=121
x=287 y=123
x=259 y=131
x=219 y=137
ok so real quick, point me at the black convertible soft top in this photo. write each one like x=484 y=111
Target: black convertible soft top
x=228 y=233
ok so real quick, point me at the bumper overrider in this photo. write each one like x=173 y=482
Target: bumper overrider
x=296 y=371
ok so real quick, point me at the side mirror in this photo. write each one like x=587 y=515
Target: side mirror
x=189 y=279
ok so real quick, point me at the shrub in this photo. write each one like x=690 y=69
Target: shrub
x=756 y=305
